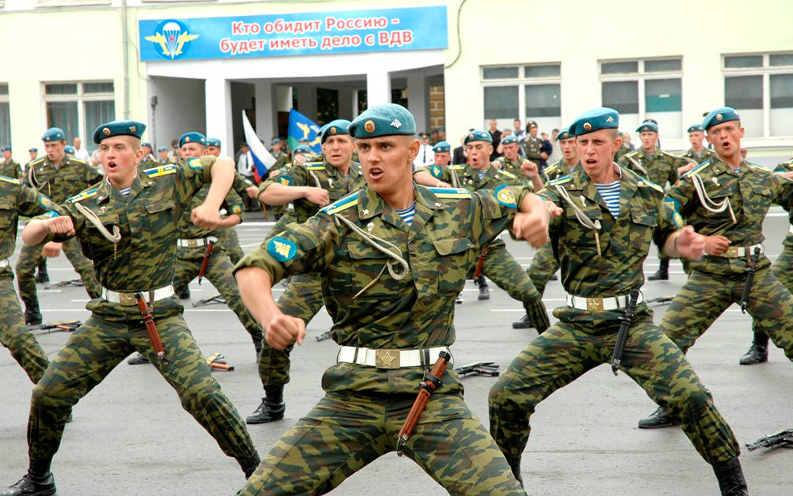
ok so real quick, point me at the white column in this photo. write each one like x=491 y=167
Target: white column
x=218 y=112
x=347 y=102
x=378 y=88
x=419 y=100
x=265 y=124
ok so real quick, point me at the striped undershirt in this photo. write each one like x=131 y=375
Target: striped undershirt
x=124 y=191
x=407 y=214
x=610 y=192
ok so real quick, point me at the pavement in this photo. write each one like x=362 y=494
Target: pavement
x=130 y=435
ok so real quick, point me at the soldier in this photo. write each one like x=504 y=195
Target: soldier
x=626 y=148
x=511 y=161
x=16 y=199
x=532 y=145
x=58 y=177
x=495 y=261
x=9 y=167
x=697 y=154
x=391 y=258
x=34 y=154
x=442 y=153
x=609 y=216
x=278 y=153
x=148 y=160
x=309 y=186
x=132 y=239
x=163 y=158
x=726 y=199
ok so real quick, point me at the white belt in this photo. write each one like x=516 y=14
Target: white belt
x=3 y=263
x=389 y=359
x=128 y=299
x=195 y=243
x=740 y=251
x=600 y=304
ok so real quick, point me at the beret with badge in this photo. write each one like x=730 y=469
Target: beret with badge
x=119 y=128
x=478 y=135
x=647 y=127
x=213 y=142
x=5 y=149
x=193 y=137
x=442 y=147
x=694 y=128
x=720 y=116
x=53 y=134
x=335 y=128
x=383 y=120
x=595 y=120
x=301 y=149
x=508 y=140
x=564 y=134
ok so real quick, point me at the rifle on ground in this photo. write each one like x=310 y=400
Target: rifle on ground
x=478 y=368
x=64 y=325
x=622 y=336
x=662 y=300
x=218 y=361
x=750 y=270
x=72 y=282
x=218 y=298
x=324 y=336
x=431 y=381
x=781 y=439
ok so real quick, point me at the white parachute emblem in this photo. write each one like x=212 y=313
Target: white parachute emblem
x=171 y=31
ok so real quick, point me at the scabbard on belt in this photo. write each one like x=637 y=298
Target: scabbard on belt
x=151 y=327
x=205 y=261
x=480 y=263
x=432 y=380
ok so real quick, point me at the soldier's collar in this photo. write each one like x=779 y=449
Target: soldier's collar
x=426 y=197
x=370 y=204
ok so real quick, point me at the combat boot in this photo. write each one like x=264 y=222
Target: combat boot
x=662 y=274
x=659 y=418
x=249 y=466
x=514 y=464
x=42 y=276
x=184 y=293
x=138 y=359
x=523 y=323
x=758 y=352
x=484 y=290
x=37 y=482
x=271 y=408
x=32 y=312
x=730 y=477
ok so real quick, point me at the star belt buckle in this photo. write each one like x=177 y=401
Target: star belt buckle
x=732 y=252
x=192 y=243
x=127 y=299
x=386 y=359
x=594 y=304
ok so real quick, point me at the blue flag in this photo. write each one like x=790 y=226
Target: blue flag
x=301 y=127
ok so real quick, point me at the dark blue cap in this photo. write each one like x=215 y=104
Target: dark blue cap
x=694 y=128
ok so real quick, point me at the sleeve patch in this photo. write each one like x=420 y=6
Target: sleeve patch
x=51 y=214
x=561 y=180
x=505 y=196
x=82 y=196
x=284 y=179
x=195 y=164
x=282 y=249
x=44 y=202
x=236 y=209
x=436 y=172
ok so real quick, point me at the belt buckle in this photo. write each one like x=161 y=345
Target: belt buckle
x=127 y=299
x=191 y=243
x=594 y=304
x=732 y=252
x=386 y=359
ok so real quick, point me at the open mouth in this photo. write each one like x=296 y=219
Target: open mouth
x=375 y=172
x=111 y=166
x=591 y=162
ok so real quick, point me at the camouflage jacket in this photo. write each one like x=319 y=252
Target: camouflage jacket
x=787 y=167
x=11 y=169
x=240 y=184
x=417 y=311
x=624 y=241
x=469 y=179
x=532 y=147
x=329 y=177
x=148 y=220
x=623 y=150
x=556 y=171
x=512 y=166
x=707 y=154
x=16 y=199
x=63 y=181
x=751 y=191
x=147 y=163
x=187 y=230
x=661 y=169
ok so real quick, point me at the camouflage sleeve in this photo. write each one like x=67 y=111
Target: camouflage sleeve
x=297 y=249
x=32 y=203
x=289 y=176
x=669 y=221
x=192 y=174
x=782 y=190
x=57 y=210
x=682 y=196
x=494 y=211
x=549 y=194
x=436 y=171
x=90 y=175
x=234 y=204
x=240 y=184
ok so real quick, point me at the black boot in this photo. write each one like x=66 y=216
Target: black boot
x=249 y=466
x=37 y=482
x=659 y=418
x=758 y=352
x=662 y=274
x=138 y=359
x=42 y=276
x=184 y=293
x=523 y=323
x=730 y=476
x=32 y=312
x=484 y=290
x=514 y=464
x=272 y=407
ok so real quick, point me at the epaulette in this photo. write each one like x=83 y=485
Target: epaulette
x=643 y=181
x=756 y=166
x=632 y=154
x=82 y=196
x=162 y=170
x=450 y=192
x=314 y=166
x=10 y=180
x=75 y=159
x=455 y=167
x=561 y=180
x=508 y=174
x=700 y=167
x=552 y=168
x=340 y=205
x=37 y=161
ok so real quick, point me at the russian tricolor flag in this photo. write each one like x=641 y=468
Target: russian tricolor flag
x=262 y=158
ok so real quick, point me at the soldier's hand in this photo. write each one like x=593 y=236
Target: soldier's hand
x=715 y=245
x=553 y=209
x=299 y=159
x=532 y=226
x=274 y=173
x=682 y=170
x=61 y=225
x=317 y=196
x=496 y=164
x=285 y=330
x=543 y=155
x=529 y=169
x=691 y=244
x=51 y=249
x=252 y=191
x=442 y=184
x=205 y=217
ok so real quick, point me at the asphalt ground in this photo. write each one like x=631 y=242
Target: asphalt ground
x=130 y=435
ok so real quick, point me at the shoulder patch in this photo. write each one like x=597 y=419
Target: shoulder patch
x=82 y=196
x=505 y=196
x=340 y=205
x=161 y=171
x=284 y=179
x=450 y=192
x=314 y=166
x=195 y=164
x=643 y=181
x=561 y=180
x=701 y=166
x=282 y=249
x=436 y=171
x=508 y=174
x=10 y=180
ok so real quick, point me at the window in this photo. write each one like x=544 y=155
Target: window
x=527 y=92
x=5 y=116
x=760 y=87
x=645 y=89
x=79 y=108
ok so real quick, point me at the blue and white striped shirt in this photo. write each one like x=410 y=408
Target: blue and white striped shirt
x=610 y=193
x=407 y=214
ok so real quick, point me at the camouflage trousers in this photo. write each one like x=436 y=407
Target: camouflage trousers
x=506 y=273
x=302 y=298
x=345 y=432
x=230 y=242
x=783 y=271
x=109 y=335
x=543 y=266
x=568 y=350
x=704 y=297
x=219 y=273
x=15 y=336
x=30 y=257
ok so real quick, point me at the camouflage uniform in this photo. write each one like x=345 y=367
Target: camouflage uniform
x=584 y=339
x=512 y=166
x=11 y=169
x=227 y=236
x=623 y=150
x=58 y=183
x=147 y=163
x=142 y=260
x=364 y=407
x=532 y=148
x=706 y=155
x=16 y=199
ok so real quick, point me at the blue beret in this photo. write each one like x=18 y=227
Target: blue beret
x=193 y=137
x=335 y=128
x=53 y=134
x=119 y=128
x=647 y=127
x=213 y=142
x=594 y=120
x=146 y=143
x=442 y=147
x=478 y=135
x=719 y=116
x=564 y=134
x=383 y=120
x=301 y=149
x=69 y=149
x=509 y=139
x=33 y=149
x=694 y=128
x=162 y=149
x=5 y=149
x=275 y=141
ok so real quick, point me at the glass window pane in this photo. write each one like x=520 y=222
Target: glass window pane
x=64 y=116
x=665 y=65
x=540 y=71
x=500 y=72
x=543 y=100
x=5 y=124
x=98 y=87
x=97 y=113
x=741 y=61
x=662 y=95
x=622 y=96
x=501 y=102
x=782 y=91
x=781 y=59
x=744 y=92
x=3 y=89
x=619 y=67
x=60 y=89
